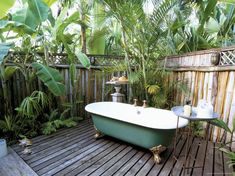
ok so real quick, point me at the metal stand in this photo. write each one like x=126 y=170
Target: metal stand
x=187 y=153
x=187 y=158
x=207 y=139
x=175 y=137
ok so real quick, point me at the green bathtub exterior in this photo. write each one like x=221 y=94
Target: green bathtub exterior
x=134 y=134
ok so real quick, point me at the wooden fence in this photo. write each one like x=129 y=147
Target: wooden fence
x=208 y=76
x=90 y=86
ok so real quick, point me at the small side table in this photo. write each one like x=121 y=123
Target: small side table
x=179 y=112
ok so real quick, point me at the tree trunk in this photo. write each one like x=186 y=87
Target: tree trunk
x=83 y=38
x=7 y=108
x=127 y=60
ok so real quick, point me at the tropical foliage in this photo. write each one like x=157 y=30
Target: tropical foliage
x=227 y=150
x=120 y=27
x=56 y=120
x=26 y=26
x=173 y=27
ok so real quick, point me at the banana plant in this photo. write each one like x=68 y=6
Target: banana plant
x=96 y=42
x=51 y=78
x=61 y=37
x=74 y=54
x=26 y=19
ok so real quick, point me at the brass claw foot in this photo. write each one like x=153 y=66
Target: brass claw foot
x=156 y=152
x=98 y=134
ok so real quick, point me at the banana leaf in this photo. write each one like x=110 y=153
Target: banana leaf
x=9 y=71
x=96 y=44
x=17 y=27
x=33 y=13
x=4 y=48
x=51 y=78
x=83 y=59
x=5 y=6
x=49 y=2
x=39 y=9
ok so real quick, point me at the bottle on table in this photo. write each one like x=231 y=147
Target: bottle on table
x=187 y=108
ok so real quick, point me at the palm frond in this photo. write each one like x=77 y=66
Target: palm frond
x=41 y=98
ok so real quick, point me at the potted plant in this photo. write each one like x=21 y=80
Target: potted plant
x=3 y=148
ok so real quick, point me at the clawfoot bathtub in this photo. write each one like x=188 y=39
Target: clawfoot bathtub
x=149 y=128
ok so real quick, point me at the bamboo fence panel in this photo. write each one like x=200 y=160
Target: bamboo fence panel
x=218 y=88
x=90 y=87
x=208 y=76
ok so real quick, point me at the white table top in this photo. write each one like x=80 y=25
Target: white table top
x=179 y=111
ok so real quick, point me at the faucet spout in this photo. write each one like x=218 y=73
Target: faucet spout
x=135 y=102
x=144 y=104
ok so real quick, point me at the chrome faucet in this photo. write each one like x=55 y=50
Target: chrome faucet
x=135 y=102
x=144 y=104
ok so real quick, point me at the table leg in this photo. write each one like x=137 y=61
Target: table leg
x=187 y=148
x=189 y=153
x=175 y=138
x=207 y=139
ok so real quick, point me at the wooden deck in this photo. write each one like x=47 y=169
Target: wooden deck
x=74 y=151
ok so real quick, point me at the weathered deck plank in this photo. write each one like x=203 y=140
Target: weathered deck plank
x=120 y=163
x=86 y=162
x=58 y=165
x=106 y=162
x=126 y=167
x=199 y=157
x=139 y=164
x=74 y=151
x=49 y=157
x=166 y=170
x=63 y=138
x=227 y=169
x=218 y=163
x=60 y=132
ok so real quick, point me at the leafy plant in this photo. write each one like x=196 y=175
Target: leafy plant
x=231 y=155
x=147 y=77
x=33 y=105
x=56 y=121
x=9 y=126
x=51 y=78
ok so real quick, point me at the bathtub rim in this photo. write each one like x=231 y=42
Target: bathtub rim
x=180 y=125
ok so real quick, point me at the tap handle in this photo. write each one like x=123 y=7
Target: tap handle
x=135 y=102
x=145 y=103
